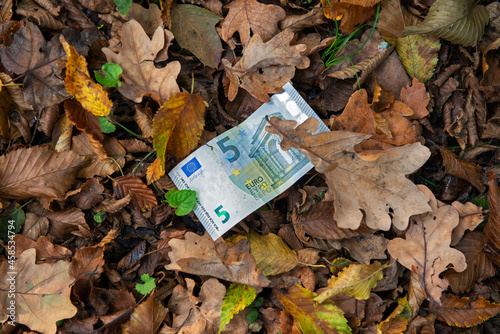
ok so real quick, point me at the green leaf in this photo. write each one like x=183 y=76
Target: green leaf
x=184 y=200
x=11 y=222
x=123 y=6
x=312 y=318
x=148 y=286
x=106 y=125
x=257 y=302
x=111 y=72
x=253 y=315
x=100 y=216
x=238 y=296
x=194 y=30
x=419 y=55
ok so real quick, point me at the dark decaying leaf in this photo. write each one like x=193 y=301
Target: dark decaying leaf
x=142 y=198
x=492 y=228
x=462 y=168
x=87 y=263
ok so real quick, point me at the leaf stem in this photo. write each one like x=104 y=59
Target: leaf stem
x=125 y=128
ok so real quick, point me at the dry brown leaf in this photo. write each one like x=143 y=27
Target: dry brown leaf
x=201 y=256
x=35 y=226
x=36 y=13
x=353 y=12
x=46 y=251
x=479 y=266
x=88 y=195
x=426 y=248
x=114 y=205
x=470 y=216
x=38 y=172
x=463 y=169
x=250 y=18
x=366 y=247
x=140 y=76
x=146 y=318
x=379 y=188
x=196 y=315
x=42 y=289
x=417 y=98
x=87 y=263
x=264 y=68
x=492 y=228
x=299 y=22
x=142 y=198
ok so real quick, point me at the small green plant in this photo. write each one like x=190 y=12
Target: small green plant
x=330 y=56
x=109 y=75
x=254 y=312
x=147 y=287
x=184 y=200
x=100 y=216
x=106 y=125
x=123 y=6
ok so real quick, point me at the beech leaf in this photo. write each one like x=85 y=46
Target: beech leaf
x=321 y=319
x=463 y=169
x=147 y=317
x=458 y=21
x=141 y=197
x=194 y=30
x=426 y=248
x=238 y=296
x=379 y=188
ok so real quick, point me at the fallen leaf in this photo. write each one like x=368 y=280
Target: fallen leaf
x=264 y=68
x=463 y=311
x=35 y=226
x=379 y=188
x=87 y=263
x=141 y=197
x=201 y=256
x=194 y=30
x=196 y=315
x=458 y=21
x=42 y=292
x=178 y=125
x=463 y=169
x=417 y=98
x=83 y=119
x=470 y=217
x=366 y=247
x=479 y=266
x=38 y=172
x=398 y=320
x=353 y=12
x=40 y=62
x=426 y=247
x=237 y=298
x=88 y=195
x=140 y=76
x=312 y=318
x=492 y=228
x=251 y=18
x=78 y=83
x=146 y=318
x=46 y=251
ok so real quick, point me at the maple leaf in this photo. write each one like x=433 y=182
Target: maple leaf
x=196 y=315
x=146 y=318
x=265 y=68
x=312 y=318
x=251 y=17
x=378 y=187
x=178 y=125
x=357 y=280
x=40 y=62
x=426 y=248
x=38 y=172
x=142 y=198
x=78 y=83
x=42 y=292
x=201 y=256
x=136 y=58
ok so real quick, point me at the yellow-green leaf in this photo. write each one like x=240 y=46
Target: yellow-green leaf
x=458 y=21
x=78 y=83
x=419 y=55
x=238 y=296
x=357 y=280
x=313 y=319
x=178 y=125
x=398 y=320
x=271 y=253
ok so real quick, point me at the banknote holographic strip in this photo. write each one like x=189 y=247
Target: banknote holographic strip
x=240 y=170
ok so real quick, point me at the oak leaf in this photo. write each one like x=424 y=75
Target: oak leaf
x=146 y=318
x=464 y=311
x=38 y=172
x=140 y=76
x=202 y=256
x=42 y=292
x=312 y=318
x=426 y=248
x=357 y=281
x=141 y=197
x=265 y=68
x=379 y=188
x=470 y=217
x=40 y=62
x=250 y=18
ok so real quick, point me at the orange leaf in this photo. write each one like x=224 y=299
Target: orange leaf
x=178 y=125
x=142 y=197
x=78 y=83
x=464 y=312
x=155 y=171
x=416 y=97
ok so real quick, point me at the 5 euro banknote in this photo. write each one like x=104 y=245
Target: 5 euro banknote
x=242 y=169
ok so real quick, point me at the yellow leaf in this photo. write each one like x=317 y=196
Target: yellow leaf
x=155 y=171
x=398 y=320
x=78 y=83
x=178 y=125
x=357 y=280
